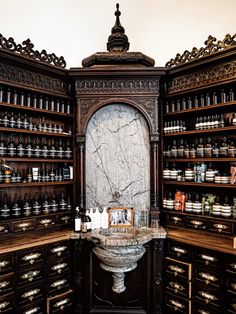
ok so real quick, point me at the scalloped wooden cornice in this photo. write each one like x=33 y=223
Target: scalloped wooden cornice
x=212 y=46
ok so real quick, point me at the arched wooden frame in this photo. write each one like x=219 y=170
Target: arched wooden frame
x=154 y=144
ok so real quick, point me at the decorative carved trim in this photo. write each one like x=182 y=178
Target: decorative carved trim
x=117 y=86
x=158 y=246
x=212 y=46
x=26 y=49
x=158 y=310
x=158 y=279
x=214 y=74
x=12 y=74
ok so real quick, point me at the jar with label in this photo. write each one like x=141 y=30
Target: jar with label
x=197 y=205
x=216 y=210
x=189 y=204
x=226 y=210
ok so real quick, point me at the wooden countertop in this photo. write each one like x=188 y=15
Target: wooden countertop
x=212 y=242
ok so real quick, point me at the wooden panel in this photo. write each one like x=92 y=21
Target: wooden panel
x=178 y=250
x=30 y=257
x=178 y=269
x=176 y=304
x=61 y=304
x=178 y=287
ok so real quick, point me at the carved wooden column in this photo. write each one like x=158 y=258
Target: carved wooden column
x=80 y=141
x=154 y=195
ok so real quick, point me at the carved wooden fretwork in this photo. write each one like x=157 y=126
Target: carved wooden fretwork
x=212 y=46
x=31 y=79
x=226 y=71
x=26 y=49
x=117 y=86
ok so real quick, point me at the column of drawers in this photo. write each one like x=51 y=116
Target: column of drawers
x=178 y=279
x=231 y=284
x=36 y=280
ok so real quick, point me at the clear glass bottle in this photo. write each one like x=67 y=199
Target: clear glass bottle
x=20 y=150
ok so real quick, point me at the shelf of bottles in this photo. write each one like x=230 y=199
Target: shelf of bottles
x=36 y=172
x=199 y=160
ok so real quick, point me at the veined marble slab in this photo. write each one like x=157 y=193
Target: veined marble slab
x=118 y=157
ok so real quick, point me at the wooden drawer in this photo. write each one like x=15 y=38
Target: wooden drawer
x=226 y=228
x=176 y=304
x=4 y=227
x=231 y=304
x=203 y=308
x=59 y=267
x=209 y=258
x=58 y=249
x=23 y=225
x=65 y=219
x=178 y=269
x=30 y=257
x=196 y=223
x=30 y=275
x=25 y=296
x=34 y=308
x=208 y=295
x=231 y=264
x=178 y=287
x=7 y=284
x=208 y=277
x=7 y=304
x=6 y=263
x=176 y=220
x=58 y=285
x=45 y=222
x=231 y=284
x=61 y=304
x=179 y=250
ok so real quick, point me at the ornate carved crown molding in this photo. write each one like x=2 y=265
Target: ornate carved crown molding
x=226 y=71
x=26 y=49
x=212 y=46
x=117 y=86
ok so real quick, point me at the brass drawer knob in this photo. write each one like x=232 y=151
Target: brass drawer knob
x=30 y=275
x=31 y=257
x=3 y=264
x=46 y=222
x=59 y=283
x=208 y=278
x=59 y=267
x=207 y=296
x=3 y=284
x=30 y=294
x=61 y=304
x=3 y=305
x=220 y=227
x=33 y=310
x=177 y=304
x=23 y=226
x=58 y=250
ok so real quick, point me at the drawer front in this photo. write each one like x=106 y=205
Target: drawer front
x=30 y=257
x=196 y=223
x=231 y=284
x=35 y=308
x=58 y=285
x=4 y=228
x=30 y=294
x=59 y=267
x=208 y=277
x=231 y=304
x=22 y=226
x=207 y=295
x=202 y=308
x=179 y=250
x=175 y=304
x=231 y=264
x=65 y=219
x=7 y=284
x=30 y=275
x=176 y=220
x=61 y=304
x=178 y=269
x=46 y=222
x=226 y=228
x=58 y=249
x=6 y=263
x=209 y=258
x=178 y=287
x=7 y=304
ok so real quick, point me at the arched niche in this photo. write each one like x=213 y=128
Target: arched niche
x=117 y=157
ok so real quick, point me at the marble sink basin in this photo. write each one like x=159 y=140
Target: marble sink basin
x=119 y=250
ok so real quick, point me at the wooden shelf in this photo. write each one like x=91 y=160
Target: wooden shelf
x=225 y=129
x=178 y=212
x=14 y=130
x=203 y=184
x=32 y=184
x=199 y=159
x=194 y=110
x=37 y=160
x=36 y=110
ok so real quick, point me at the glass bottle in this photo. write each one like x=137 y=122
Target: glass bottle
x=60 y=150
x=45 y=148
x=53 y=204
x=19 y=122
x=34 y=101
x=16 y=210
x=66 y=172
x=25 y=122
x=5 y=208
x=20 y=150
x=1 y=94
x=28 y=100
x=37 y=149
x=68 y=151
x=11 y=147
x=45 y=205
x=29 y=176
x=214 y=99
x=208 y=100
x=69 y=207
x=223 y=96
x=52 y=175
x=27 y=210
x=200 y=148
x=8 y=96
x=223 y=149
x=77 y=224
x=6 y=120
x=202 y=101
x=22 y=99
x=3 y=148
x=231 y=149
x=192 y=151
x=36 y=205
x=180 y=149
x=184 y=104
x=28 y=148
x=12 y=121
x=208 y=148
x=231 y=95
x=40 y=102
x=62 y=203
